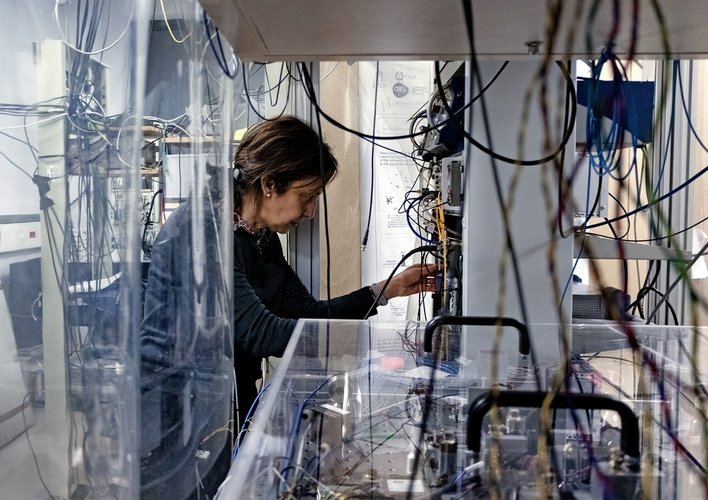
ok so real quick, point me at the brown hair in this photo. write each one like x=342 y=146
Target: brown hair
x=283 y=150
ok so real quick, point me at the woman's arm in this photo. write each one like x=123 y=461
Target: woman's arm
x=263 y=327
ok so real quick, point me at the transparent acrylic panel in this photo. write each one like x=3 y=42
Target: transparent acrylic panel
x=352 y=410
x=186 y=343
x=89 y=406
x=70 y=259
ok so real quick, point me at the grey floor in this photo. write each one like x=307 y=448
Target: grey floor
x=19 y=474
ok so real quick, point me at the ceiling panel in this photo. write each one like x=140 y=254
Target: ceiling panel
x=274 y=30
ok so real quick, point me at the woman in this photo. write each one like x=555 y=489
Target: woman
x=280 y=169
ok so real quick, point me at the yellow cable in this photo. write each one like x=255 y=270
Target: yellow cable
x=164 y=14
x=442 y=234
x=225 y=428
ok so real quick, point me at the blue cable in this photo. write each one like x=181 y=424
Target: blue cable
x=608 y=148
x=298 y=419
x=632 y=122
x=245 y=421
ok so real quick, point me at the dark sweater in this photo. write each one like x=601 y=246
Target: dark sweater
x=186 y=322
x=268 y=299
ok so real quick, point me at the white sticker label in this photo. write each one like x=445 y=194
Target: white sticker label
x=405 y=485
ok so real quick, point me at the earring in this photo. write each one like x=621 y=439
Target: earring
x=268 y=195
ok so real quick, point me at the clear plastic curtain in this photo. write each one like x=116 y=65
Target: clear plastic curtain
x=83 y=206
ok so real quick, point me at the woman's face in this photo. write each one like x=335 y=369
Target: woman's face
x=282 y=212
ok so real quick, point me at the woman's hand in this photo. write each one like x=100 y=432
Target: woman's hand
x=414 y=279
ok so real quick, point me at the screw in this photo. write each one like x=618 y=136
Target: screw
x=533 y=46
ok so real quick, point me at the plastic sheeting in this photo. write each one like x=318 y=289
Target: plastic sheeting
x=115 y=325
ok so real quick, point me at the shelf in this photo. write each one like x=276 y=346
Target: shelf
x=597 y=247
x=604 y=335
x=149 y=172
x=279 y=30
x=189 y=140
